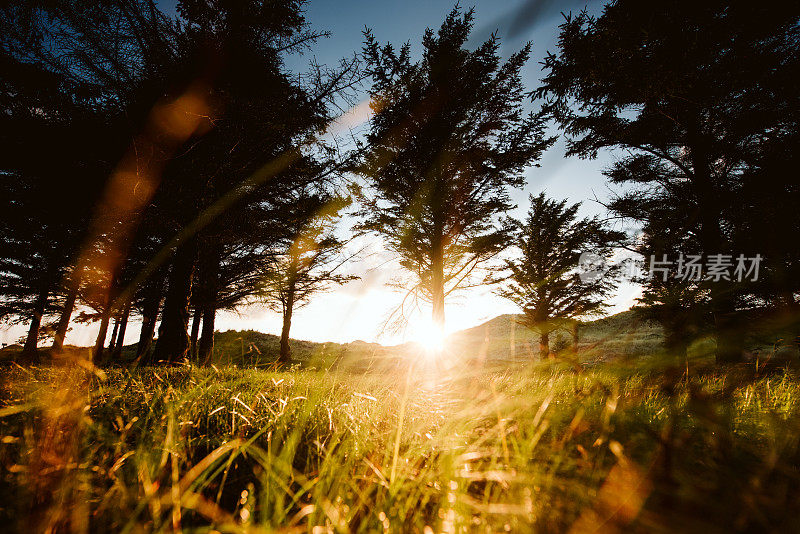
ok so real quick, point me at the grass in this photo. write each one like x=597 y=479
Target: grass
x=426 y=448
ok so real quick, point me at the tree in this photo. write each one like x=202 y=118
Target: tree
x=86 y=57
x=308 y=262
x=448 y=137
x=678 y=302
x=545 y=280
x=694 y=96
x=49 y=199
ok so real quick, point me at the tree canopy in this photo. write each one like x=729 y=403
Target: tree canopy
x=545 y=280
x=697 y=99
x=448 y=137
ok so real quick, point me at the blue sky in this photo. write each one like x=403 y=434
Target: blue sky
x=359 y=309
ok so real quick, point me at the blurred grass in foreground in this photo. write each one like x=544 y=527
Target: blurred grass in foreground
x=528 y=448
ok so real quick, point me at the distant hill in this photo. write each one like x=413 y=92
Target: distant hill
x=502 y=338
x=620 y=335
x=250 y=347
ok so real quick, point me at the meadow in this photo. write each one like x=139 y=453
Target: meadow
x=432 y=446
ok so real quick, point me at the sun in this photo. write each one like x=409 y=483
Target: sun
x=430 y=337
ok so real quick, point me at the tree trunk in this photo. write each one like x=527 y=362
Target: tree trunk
x=791 y=311
x=173 y=340
x=210 y=259
x=730 y=336
x=196 y=317
x=575 y=332
x=730 y=342
x=286 y=349
x=728 y=331
x=676 y=341
x=113 y=343
x=121 y=334
x=149 y=319
x=97 y=354
x=32 y=341
x=437 y=287
x=206 y=345
x=544 y=345
x=66 y=314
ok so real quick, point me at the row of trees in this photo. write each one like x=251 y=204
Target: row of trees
x=698 y=105
x=153 y=163
x=184 y=160
x=221 y=192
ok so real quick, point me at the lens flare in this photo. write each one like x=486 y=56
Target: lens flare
x=430 y=337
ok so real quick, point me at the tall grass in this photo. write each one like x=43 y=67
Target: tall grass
x=422 y=449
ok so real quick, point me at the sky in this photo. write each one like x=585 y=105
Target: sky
x=359 y=310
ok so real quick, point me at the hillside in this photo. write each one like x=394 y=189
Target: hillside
x=501 y=338
x=620 y=335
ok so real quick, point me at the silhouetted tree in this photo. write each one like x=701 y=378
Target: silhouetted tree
x=201 y=135
x=248 y=163
x=673 y=298
x=308 y=262
x=86 y=56
x=48 y=198
x=151 y=295
x=694 y=95
x=448 y=138
x=545 y=280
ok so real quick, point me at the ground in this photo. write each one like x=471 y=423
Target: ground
x=432 y=446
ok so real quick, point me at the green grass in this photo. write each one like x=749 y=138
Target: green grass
x=423 y=448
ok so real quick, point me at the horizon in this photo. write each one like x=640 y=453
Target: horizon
x=448 y=335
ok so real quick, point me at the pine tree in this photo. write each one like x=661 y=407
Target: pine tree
x=309 y=261
x=203 y=135
x=449 y=137
x=695 y=97
x=545 y=280
x=234 y=183
x=48 y=197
